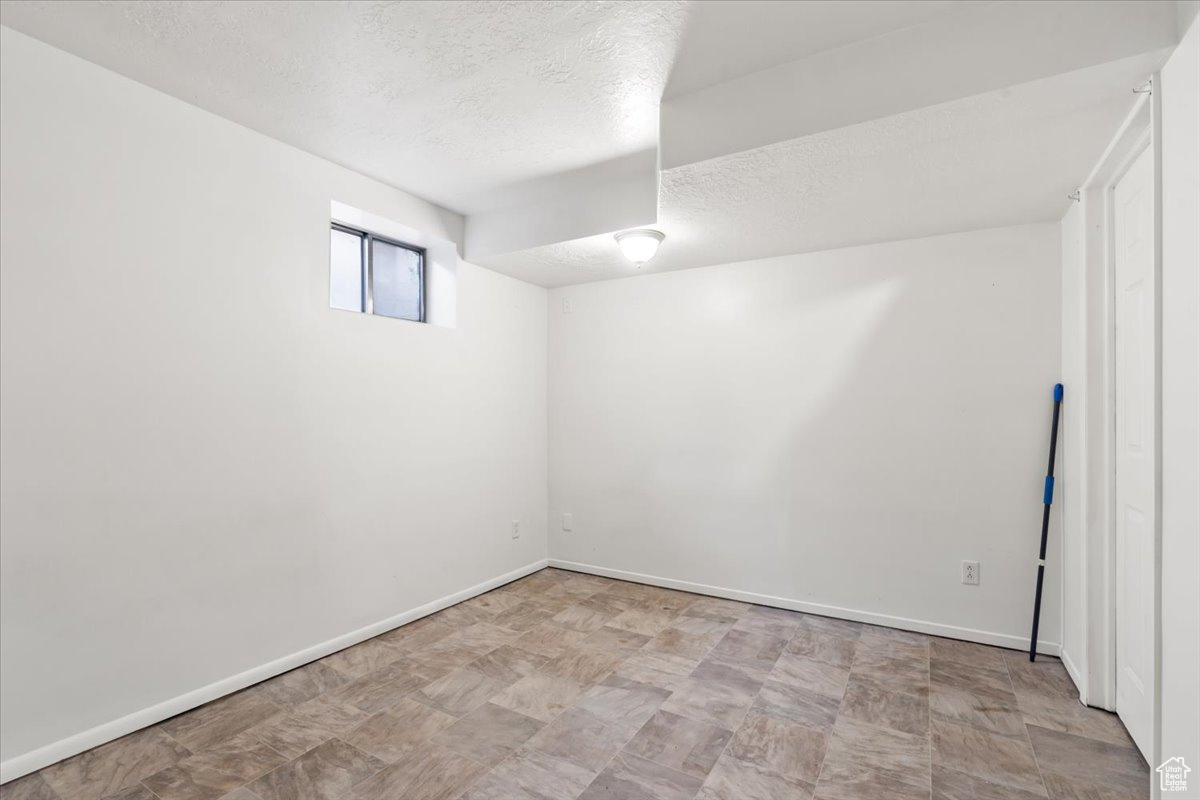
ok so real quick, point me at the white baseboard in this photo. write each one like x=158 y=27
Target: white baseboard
x=870 y=617
x=44 y=756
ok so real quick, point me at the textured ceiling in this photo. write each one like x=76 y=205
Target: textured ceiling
x=718 y=31
x=486 y=106
x=451 y=101
x=1003 y=158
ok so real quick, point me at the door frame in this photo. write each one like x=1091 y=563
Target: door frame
x=1094 y=667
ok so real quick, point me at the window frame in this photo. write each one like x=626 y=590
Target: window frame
x=367 y=268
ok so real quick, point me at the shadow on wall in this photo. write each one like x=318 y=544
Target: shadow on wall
x=841 y=428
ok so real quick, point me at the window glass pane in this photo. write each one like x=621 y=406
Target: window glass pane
x=345 y=270
x=395 y=281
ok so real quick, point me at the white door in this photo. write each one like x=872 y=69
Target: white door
x=1136 y=435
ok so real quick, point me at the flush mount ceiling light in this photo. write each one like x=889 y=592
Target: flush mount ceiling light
x=639 y=246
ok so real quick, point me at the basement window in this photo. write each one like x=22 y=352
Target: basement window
x=372 y=274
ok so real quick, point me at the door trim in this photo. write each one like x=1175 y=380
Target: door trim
x=1095 y=663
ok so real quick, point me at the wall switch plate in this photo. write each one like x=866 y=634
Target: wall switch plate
x=516 y=529
x=567 y=305
x=970 y=573
x=568 y=522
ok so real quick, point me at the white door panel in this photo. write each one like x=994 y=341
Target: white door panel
x=1136 y=456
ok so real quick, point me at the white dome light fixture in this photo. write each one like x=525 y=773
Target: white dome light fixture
x=640 y=245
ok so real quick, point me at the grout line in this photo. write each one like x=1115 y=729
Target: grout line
x=1025 y=728
x=836 y=717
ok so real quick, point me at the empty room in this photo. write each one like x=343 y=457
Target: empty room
x=599 y=400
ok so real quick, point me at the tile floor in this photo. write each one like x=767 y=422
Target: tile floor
x=563 y=686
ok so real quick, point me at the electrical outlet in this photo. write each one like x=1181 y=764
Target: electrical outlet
x=568 y=522
x=516 y=530
x=970 y=573
x=568 y=306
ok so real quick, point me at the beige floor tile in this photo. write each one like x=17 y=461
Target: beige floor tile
x=404 y=726
x=892 y=710
x=656 y=669
x=714 y=629
x=550 y=677
x=842 y=628
x=1046 y=676
x=189 y=781
x=213 y=723
x=583 y=665
x=951 y=785
x=783 y=748
x=324 y=713
x=680 y=743
x=622 y=701
x=755 y=652
x=495 y=602
x=769 y=622
x=732 y=779
x=907 y=672
x=31 y=787
x=363 y=658
x=986 y=709
x=643 y=619
x=292 y=736
x=615 y=640
x=489 y=734
x=1067 y=715
x=430 y=772
x=301 y=684
x=549 y=640
x=114 y=766
x=669 y=600
x=1075 y=766
x=326 y=772
x=540 y=695
x=878 y=636
x=460 y=648
x=631 y=778
x=979 y=655
x=459 y=692
x=863 y=762
x=416 y=635
x=524 y=616
x=531 y=775
x=581 y=618
x=717 y=609
x=970 y=677
x=243 y=756
x=824 y=647
x=720 y=703
x=674 y=642
x=799 y=705
x=508 y=664
x=998 y=759
x=241 y=793
x=140 y=792
x=462 y=615
x=377 y=690
x=816 y=676
x=581 y=738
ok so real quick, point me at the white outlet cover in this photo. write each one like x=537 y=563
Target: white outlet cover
x=516 y=529
x=568 y=522
x=970 y=573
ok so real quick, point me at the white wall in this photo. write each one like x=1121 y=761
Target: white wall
x=838 y=428
x=204 y=467
x=1180 y=679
